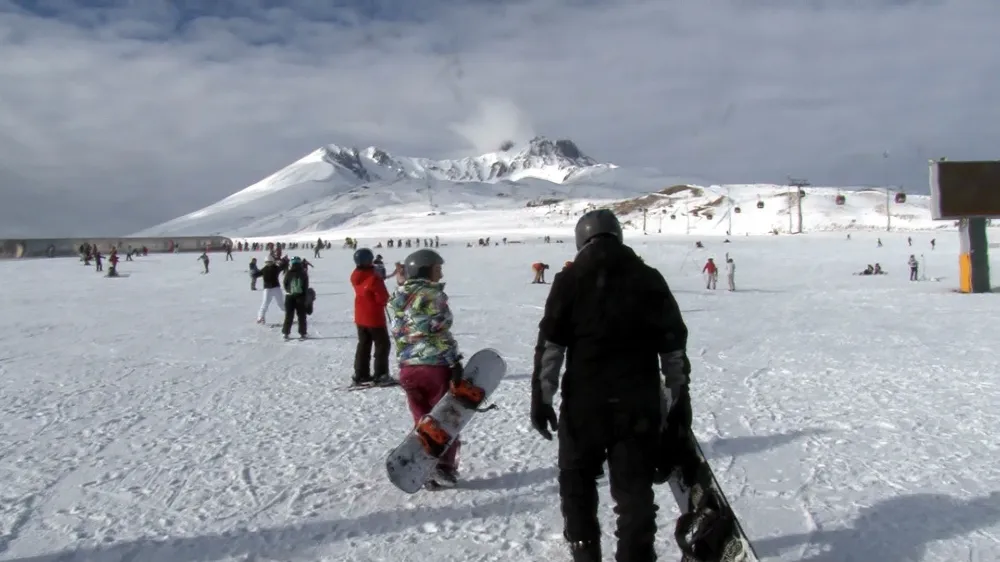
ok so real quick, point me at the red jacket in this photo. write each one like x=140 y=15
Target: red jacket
x=370 y=298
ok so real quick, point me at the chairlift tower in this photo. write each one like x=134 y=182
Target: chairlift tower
x=798 y=184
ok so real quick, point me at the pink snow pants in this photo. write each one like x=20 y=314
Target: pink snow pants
x=425 y=385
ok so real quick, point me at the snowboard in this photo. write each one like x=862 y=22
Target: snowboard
x=410 y=464
x=310 y=299
x=708 y=529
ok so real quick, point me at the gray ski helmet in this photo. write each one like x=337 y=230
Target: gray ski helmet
x=363 y=257
x=595 y=223
x=418 y=264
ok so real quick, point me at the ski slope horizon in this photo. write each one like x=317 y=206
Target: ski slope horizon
x=531 y=189
x=847 y=418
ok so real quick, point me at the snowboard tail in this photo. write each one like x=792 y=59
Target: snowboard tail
x=708 y=529
x=434 y=438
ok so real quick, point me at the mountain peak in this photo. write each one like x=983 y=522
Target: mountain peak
x=542 y=158
x=543 y=147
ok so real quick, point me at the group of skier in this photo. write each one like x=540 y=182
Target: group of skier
x=427 y=353
x=609 y=319
x=615 y=325
x=711 y=272
x=292 y=293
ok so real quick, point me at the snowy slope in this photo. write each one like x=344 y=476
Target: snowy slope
x=847 y=418
x=538 y=188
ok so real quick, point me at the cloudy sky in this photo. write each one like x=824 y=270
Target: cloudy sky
x=119 y=114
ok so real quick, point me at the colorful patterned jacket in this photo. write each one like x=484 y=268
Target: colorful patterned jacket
x=421 y=324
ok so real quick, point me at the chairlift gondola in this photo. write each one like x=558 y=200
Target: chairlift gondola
x=737 y=210
x=760 y=204
x=900 y=197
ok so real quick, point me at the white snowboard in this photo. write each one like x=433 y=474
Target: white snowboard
x=410 y=464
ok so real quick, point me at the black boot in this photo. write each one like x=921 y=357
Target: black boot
x=585 y=551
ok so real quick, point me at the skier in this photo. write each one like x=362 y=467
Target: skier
x=296 y=283
x=539 y=269
x=731 y=273
x=616 y=320
x=113 y=272
x=272 y=289
x=399 y=273
x=711 y=272
x=914 y=265
x=370 y=298
x=254 y=270
x=428 y=353
x=380 y=267
x=204 y=259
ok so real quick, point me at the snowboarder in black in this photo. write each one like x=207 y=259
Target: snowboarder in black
x=254 y=274
x=615 y=322
x=296 y=283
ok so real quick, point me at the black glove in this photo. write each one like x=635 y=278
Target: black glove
x=676 y=370
x=675 y=445
x=542 y=415
x=457 y=370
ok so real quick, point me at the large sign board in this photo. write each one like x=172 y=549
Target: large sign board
x=965 y=189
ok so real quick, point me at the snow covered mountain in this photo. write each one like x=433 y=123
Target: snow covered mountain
x=336 y=186
x=538 y=187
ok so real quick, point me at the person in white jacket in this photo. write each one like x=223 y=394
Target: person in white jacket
x=731 y=273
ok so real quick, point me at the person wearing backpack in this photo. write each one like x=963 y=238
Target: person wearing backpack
x=370 y=298
x=296 y=283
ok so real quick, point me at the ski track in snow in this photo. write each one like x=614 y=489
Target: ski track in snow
x=150 y=419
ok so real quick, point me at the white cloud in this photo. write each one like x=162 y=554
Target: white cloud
x=129 y=116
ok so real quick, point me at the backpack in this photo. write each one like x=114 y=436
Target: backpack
x=295 y=287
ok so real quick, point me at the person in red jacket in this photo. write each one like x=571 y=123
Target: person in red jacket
x=370 y=298
x=711 y=272
x=539 y=269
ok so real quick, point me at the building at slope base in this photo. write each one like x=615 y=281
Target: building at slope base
x=65 y=247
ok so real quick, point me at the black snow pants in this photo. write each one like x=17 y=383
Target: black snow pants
x=367 y=337
x=627 y=437
x=295 y=305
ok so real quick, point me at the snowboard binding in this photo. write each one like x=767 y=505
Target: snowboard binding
x=469 y=395
x=433 y=437
x=709 y=530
